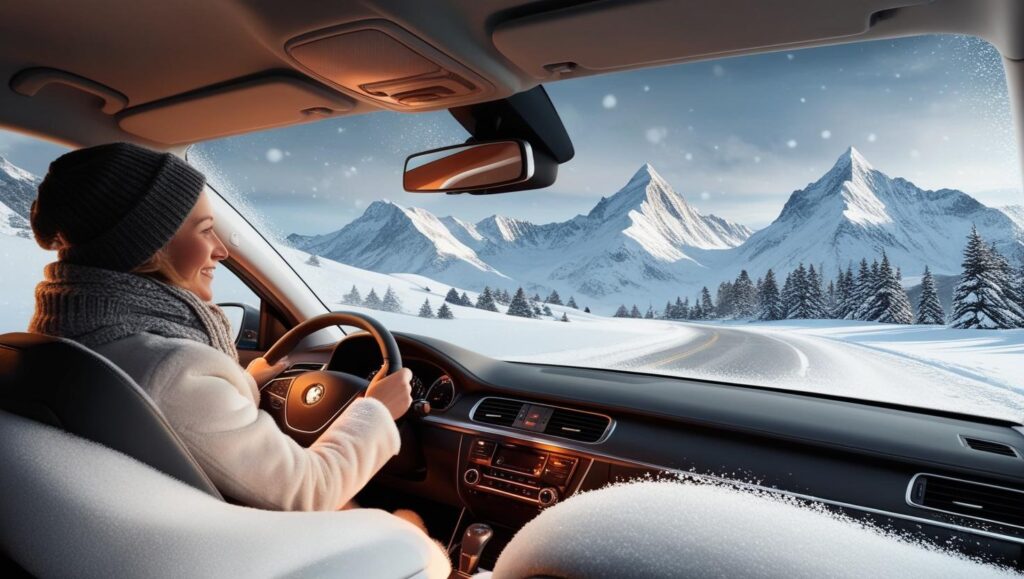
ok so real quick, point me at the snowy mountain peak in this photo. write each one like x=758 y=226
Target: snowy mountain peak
x=850 y=166
x=17 y=188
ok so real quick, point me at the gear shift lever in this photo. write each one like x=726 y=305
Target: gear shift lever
x=473 y=542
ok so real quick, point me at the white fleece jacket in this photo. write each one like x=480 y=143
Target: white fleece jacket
x=212 y=403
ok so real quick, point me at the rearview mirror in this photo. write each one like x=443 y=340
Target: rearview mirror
x=474 y=167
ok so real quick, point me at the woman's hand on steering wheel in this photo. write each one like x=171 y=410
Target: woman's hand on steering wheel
x=261 y=371
x=394 y=391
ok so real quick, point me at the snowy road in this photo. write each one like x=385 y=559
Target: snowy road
x=766 y=356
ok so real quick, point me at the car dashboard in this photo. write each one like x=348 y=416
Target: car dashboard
x=505 y=440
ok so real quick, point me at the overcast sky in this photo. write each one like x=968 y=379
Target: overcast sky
x=734 y=136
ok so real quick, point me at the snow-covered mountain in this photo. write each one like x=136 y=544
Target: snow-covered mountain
x=389 y=238
x=856 y=211
x=17 y=191
x=17 y=188
x=632 y=239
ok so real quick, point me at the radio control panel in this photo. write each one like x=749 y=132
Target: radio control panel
x=519 y=473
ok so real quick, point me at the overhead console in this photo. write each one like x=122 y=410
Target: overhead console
x=381 y=61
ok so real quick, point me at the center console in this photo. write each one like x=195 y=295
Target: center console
x=517 y=473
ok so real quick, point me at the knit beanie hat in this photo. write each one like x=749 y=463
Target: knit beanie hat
x=113 y=206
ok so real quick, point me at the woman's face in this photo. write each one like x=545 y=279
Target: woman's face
x=195 y=249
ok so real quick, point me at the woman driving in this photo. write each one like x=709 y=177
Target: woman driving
x=136 y=258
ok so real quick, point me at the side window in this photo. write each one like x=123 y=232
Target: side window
x=241 y=305
x=23 y=163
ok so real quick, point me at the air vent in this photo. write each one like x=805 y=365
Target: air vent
x=498 y=411
x=970 y=499
x=989 y=446
x=581 y=426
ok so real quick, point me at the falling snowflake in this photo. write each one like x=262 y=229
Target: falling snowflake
x=688 y=156
x=872 y=137
x=803 y=100
x=609 y=101
x=655 y=135
x=274 y=155
x=647 y=88
x=705 y=195
x=718 y=70
x=791 y=143
x=826 y=134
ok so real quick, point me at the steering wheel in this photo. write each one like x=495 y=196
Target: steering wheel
x=309 y=403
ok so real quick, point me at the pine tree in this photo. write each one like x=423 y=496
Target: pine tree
x=744 y=294
x=554 y=298
x=565 y=318
x=622 y=312
x=464 y=300
x=485 y=301
x=797 y=296
x=353 y=298
x=980 y=299
x=861 y=290
x=547 y=310
x=890 y=304
x=816 y=307
x=391 y=303
x=372 y=300
x=679 y=310
x=519 y=306
x=725 y=308
x=535 y=298
x=586 y=310
x=844 y=294
x=635 y=312
x=771 y=303
x=501 y=296
x=929 y=309
x=667 y=314
x=537 y=312
x=707 y=307
x=696 y=312
x=425 y=310
x=572 y=303
x=650 y=313
x=452 y=297
x=830 y=299
x=313 y=260
x=445 y=313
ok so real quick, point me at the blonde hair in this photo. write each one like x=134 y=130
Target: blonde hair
x=159 y=267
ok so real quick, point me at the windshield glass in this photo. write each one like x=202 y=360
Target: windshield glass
x=844 y=220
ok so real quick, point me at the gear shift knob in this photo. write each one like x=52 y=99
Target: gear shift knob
x=473 y=542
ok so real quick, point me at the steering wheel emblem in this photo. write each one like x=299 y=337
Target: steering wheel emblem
x=313 y=394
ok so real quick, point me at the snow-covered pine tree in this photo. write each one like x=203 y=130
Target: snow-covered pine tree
x=725 y=306
x=635 y=312
x=537 y=312
x=696 y=312
x=890 y=304
x=519 y=306
x=353 y=298
x=677 y=310
x=391 y=303
x=444 y=312
x=795 y=294
x=485 y=301
x=465 y=300
x=452 y=297
x=980 y=299
x=683 y=309
x=770 y=301
x=426 y=288
x=313 y=260
x=667 y=314
x=547 y=310
x=844 y=293
x=929 y=309
x=425 y=310
x=650 y=313
x=572 y=303
x=744 y=294
x=554 y=298
x=707 y=307
x=622 y=312
x=501 y=296
x=536 y=297
x=861 y=291
x=586 y=310
x=565 y=318
x=1004 y=275
x=372 y=300
x=816 y=306
x=830 y=299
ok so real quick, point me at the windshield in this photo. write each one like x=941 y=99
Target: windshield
x=844 y=220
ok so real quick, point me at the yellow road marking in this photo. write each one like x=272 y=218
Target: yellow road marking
x=687 y=353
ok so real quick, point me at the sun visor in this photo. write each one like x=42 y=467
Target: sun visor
x=248 y=105
x=610 y=35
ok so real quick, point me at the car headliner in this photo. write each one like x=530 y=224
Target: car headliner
x=149 y=51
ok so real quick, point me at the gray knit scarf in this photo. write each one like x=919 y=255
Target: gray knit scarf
x=95 y=306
